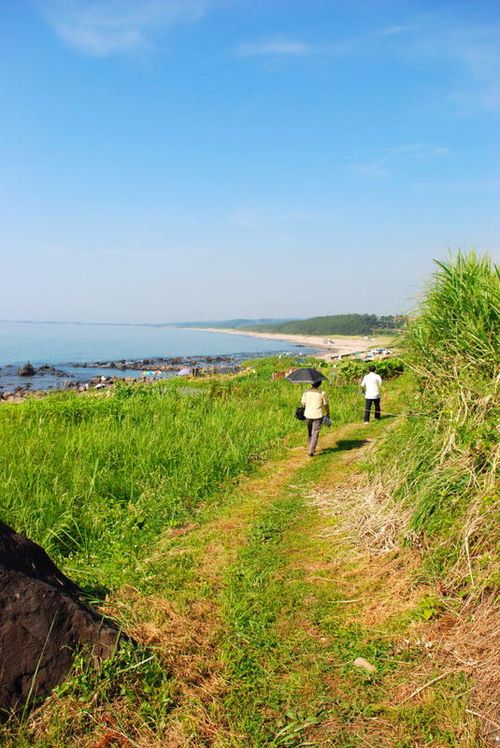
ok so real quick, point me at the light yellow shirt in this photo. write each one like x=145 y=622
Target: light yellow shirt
x=314 y=401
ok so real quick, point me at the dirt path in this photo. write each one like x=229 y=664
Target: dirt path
x=186 y=622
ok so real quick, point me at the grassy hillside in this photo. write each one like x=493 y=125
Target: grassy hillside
x=444 y=459
x=436 y=473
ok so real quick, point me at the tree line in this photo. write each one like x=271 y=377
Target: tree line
x=339 y=324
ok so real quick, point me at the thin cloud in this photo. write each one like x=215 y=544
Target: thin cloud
x=280 y=46
x=419 y=150
x=102 y=28
x=474 y=51
x=245 y=219
x=274 y=47
x=366 y=43
x=383 y=166
x=298 y=215
x=479 y=52
x=373 y=169
x=391 y=31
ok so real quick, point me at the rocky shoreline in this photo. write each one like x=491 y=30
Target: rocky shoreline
x=18 y=381
x=172 y=363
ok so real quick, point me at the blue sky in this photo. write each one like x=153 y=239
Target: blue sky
x=202 y=159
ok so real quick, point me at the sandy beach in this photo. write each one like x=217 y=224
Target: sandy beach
x=325 y=348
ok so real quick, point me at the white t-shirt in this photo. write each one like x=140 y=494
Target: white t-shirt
x=314 y=402
x=371 y=384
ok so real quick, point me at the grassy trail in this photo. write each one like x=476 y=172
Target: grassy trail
x=258 y=612
x=273 y=595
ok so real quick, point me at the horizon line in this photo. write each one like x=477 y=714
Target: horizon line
x=189 y=322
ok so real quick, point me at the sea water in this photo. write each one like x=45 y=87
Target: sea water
x=67 y=345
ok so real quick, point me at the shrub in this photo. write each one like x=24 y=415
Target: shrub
x=352 y=371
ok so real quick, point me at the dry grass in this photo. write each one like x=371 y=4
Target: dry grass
x=470 y=640
x=380 y=577
x=186 y=644
x=178 y=638
x=365 y=515
x=479 y=535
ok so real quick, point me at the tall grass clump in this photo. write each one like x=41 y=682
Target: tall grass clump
x=454 y=343
x=444 y=459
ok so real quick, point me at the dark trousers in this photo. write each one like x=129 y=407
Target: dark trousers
x=313 y=429
x=368 y=407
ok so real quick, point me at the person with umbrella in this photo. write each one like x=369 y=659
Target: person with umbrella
x=315 y=404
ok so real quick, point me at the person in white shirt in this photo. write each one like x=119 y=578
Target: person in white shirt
x=371 y=384
x=316 y=406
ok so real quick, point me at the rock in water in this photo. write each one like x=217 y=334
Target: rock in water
x=26 y=370
x=43 y=623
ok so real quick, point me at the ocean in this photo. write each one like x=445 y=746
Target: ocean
x=66 y=346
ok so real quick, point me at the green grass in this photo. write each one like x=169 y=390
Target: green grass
x=95 y=480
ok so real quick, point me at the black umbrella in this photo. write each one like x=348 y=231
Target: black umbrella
x=306 y=376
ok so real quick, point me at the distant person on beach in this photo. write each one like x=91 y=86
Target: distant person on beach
x=371 y=385
x=316 y=406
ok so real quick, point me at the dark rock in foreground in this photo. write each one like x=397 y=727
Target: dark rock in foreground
x=43 y=623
